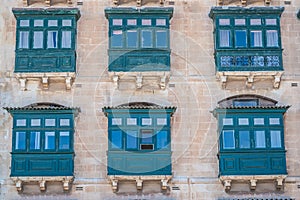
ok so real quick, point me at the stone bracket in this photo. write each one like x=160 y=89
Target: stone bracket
x=252 y=180
x=139 y=3
x=20 y=181
x=244 y=2
x=44 y=78
x=47 y=2
x=250 y=77
x=115 y=180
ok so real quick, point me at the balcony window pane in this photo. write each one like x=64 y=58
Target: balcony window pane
x=24 y=23
x=116 y=139
x=256 y=38
x=132 y=38
x=146 y=22
x=146 y=121
x=244 y=139
x=255 y=22
x=228 y=139
x=38 y=22
x=131 y=140
x=38 y=39
x=272 y=38
x=21 y=122
x=131 y=121
x=160 y=22
x=117 y=22
x=50 y=140
x=20 y=140
x=161 y=121
x=24 y=39
x=224 y=22
x=34 y=140
x=162 y=139
x=260 y=139
x=49 y=122
x=239 y=22
x=161 y=39
x=275 y=139
x=243 y=121
x=227 y=121
x=241 y=38
x=35 y=122
x=64 y=140
x=116 y=121
x=146 y=136
x=67 y=22
x=117 y=38
x=64 y=122
x=271 y=22
x=146 y=38
x=66 y=39
x=131 y=22
x=259 y=121
x=52 y=22
x=224 y=38
x=274 y=121
x=52 y=39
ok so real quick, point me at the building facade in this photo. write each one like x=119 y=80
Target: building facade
x=149 y=99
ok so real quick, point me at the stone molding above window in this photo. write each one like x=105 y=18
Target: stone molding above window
x=48 y=2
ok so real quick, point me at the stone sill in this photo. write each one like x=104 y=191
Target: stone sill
x=250 y=76
x=252 y=179
x=41 y=180
x=114 y=179
x=44 y=77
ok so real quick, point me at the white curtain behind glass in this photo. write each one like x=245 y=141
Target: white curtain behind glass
x=272 y=38
x=257 y=38
x=224 y=38
x=275 y=139
x=38 y=39
x=52 y=39
x=23 y=39
x=66 y=39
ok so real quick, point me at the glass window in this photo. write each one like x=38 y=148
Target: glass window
x=117 y=38
x=24 y=39
x=21 y=122
x=274 y=121
x=161 y=39
x=34 y=140
x=67 y=22
x=38 y=39
x=52 y=22
x=131 y=121
x=228 y=139
x=64 y=122
x=227 y=121
x=49 y=122
x=131 y=139
x=244 y=139
x=275 y=139
x=52 y=39
x=66 y=39
x=224 y=38
x=146 y=121
x=272 y=38
x=38 y=22
x=161 y=121
x=224 y=22
x=64 y=140
x=131 y=22
x=239 y=22
x=50 y=140
x=132 y=38
x=24 y=22
x=241 y=38
x=259 y=121
x=146 y=22
x=255 y=21
x=161 y=22
x=243 y=121
x=271 y=22
x=20 y=140
x=116 y=139
x=117 y=22
x=256 y=38
x=35 y=122
x=162 y=139
x=245 y=102
x=260 y=139
x=146 y=136
x=146 y=38
x=116 y=121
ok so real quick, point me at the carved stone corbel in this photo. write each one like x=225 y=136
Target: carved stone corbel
x=164 y=184
x=115 y=79
x=68 y=82
x=23 y=83
x=277 y=79
x=69 y=2
x=48 y=2
x=223 y=79
x=227 y=185
x=139 y=184
x=267 y=2
x=116 y=2
x=244 y=2
x=66 y=185
x=220 y=2
x=45 y=83
x=163 y=81
x=161 y=2
x=25 y=2
x=42 y=184
x=279 y=183
x=138 y=3
x=250 y=80
x=19 y=185
x=253 y=184
x=139 y=81
x=114 y=184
